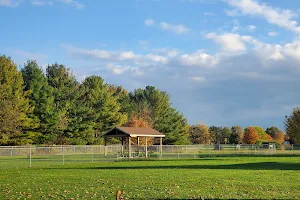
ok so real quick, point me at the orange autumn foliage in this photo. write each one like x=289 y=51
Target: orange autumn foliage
x=269 y=138
x=134 y=121
x=279 y=137
x=251 y=135
x=137 y=122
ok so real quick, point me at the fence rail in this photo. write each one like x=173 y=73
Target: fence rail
x=46 y=155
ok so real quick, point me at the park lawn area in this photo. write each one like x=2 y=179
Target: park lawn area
x=214 y=177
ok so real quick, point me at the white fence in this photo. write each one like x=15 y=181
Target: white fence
x=41 y=155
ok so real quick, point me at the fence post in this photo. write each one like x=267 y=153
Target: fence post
x=63 y=153
x=92 y=154
x=74 y=148
x=11 y=151
x=30 y=156
x=292 y=149
x=177 y=152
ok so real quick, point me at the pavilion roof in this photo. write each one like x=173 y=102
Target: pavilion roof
x=133 y=132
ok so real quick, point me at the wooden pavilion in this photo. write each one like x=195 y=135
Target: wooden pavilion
x=126 y=134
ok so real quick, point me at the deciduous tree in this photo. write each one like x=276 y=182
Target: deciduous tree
x=251 y=136
x=279 y=137
x=14 y=104
x=199 y=134
x=292 y=126
x=272 y=131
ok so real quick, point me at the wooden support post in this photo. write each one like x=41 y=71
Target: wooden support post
x=129 y=147
x=105 y=148
x=160 y=147
x=122 y=148
x=138 y=145
x=146 y=148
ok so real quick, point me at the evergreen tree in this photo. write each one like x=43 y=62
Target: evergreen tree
x=123 y=99
x=174 y=126
x=65 y=92
x=154 y=106
x=292 y=126
x=237 y=135
x=105 y=106
x=42 y=100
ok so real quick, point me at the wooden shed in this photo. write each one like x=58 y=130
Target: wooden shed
x=125 y=134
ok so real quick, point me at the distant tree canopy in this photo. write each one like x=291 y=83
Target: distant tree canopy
x=272 y=131
x=292 y=126
x=199 y=134
x=251 y=135
x=237 y=135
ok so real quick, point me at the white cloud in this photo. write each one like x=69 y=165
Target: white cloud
x=272 y=34
x=167 y=52
x=235 y=29
x=279 y=17
x=198 y=59
x=178 y=29
x=209 y=14
x=251 y=28
x=10 y=3
x=155 y=58
x=292 y=50
x=41 y=2
x=229 y=42
x=233 y=42
x=75 y=3
x=246 y=61
x=198 y=78
x=149 y=22
x=115 y=56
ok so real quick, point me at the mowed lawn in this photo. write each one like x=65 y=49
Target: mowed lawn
x=215 y=177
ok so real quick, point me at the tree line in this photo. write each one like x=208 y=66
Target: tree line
x=52 y=107
x=202 y=134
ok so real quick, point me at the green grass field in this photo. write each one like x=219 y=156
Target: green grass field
x=213 y=177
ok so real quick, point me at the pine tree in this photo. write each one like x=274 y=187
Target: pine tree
x=105 y=107
x=154 y=106
x=174 y=126
x=237 y=135
x=42 y=100
x=65 y=93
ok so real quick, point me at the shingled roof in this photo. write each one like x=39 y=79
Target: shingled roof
x=133 y=132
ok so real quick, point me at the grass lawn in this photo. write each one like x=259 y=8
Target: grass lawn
x=214 y=177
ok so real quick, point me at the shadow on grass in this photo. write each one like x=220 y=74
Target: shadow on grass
x=242 y=166
x=164 y=199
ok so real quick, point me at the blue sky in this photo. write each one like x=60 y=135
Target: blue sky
x=224 y=62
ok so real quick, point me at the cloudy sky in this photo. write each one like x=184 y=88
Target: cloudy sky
x=224 y=62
